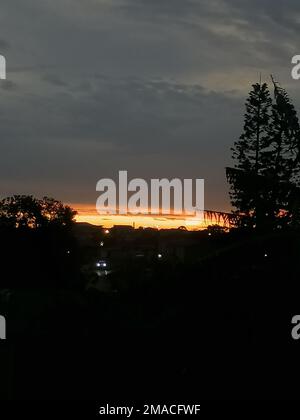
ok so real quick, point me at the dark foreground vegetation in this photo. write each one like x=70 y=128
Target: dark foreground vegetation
x=210 y=320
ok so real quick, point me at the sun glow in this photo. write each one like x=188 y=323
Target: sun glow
x=86 y=213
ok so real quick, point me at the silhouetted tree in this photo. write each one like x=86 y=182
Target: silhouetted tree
x=249 y=156
x=25 y=211
x=264 y=179
x=55 y=212
x=285 y=137
x=37 y=247
x=20 y=211
x=248 y=150
x=284 y=153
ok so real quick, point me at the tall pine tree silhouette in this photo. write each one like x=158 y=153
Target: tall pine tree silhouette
x=249 y=155
x=285 y=148
x=265 y=177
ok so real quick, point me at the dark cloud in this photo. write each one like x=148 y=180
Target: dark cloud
x=156 y=87
x=4 y=45
x=8 y=85
x=54 y=80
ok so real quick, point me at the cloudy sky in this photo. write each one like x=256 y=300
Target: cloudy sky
x=156 y=87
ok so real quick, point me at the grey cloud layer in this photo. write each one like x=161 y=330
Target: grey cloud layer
x=97 y=85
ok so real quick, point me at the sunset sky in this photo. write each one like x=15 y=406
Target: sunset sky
x=89 y=214
x=156 y=88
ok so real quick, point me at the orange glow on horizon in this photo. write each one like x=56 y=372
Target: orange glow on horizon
x=88 y=214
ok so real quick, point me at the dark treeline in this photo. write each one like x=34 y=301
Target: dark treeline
x=36 y=244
